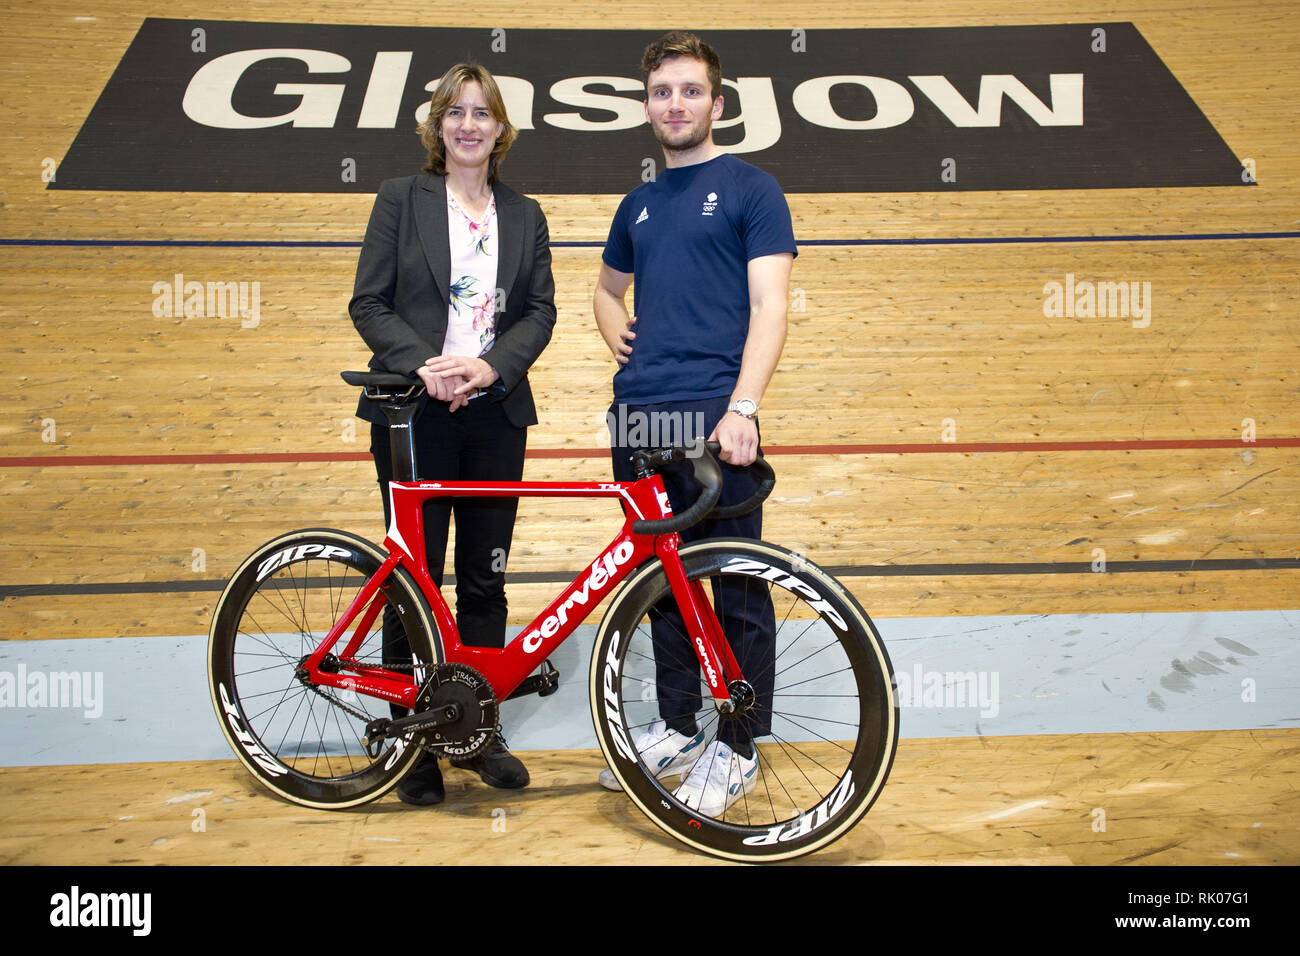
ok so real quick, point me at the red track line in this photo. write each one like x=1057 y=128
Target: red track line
x=1032 y=446
x=52 y=461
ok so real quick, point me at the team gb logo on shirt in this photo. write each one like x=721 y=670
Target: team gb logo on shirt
x=710 y=204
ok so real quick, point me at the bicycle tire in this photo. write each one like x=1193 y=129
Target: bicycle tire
x=301 y=742
x=831 y=681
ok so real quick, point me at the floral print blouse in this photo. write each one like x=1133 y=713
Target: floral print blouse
x=471 y=314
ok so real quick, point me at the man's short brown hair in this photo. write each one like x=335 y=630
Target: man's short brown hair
x=444 y=95
x=681 y=43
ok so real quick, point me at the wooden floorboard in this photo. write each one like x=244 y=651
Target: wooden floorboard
x=1199 y=798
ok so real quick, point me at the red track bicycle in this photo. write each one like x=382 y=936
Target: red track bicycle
x=333 y=662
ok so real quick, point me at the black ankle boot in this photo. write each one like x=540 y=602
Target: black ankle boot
x=496 y=766
x=422 y=787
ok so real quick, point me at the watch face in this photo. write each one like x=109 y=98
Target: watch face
x=745 y=406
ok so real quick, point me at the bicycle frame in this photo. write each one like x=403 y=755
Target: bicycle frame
x=506 y=668
x=280 y=656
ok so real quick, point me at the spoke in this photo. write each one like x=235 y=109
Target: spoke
x=799 y=683
x=288 y=727
x=264 y=638
x=809 y=657
x=816 y=736
x=785 y=748
x=272 y=708
x=771 y=773
x=825 y=720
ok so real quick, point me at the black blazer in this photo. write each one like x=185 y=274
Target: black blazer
x=399 y=302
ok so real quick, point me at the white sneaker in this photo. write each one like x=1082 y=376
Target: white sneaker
x=719 y=778
x=664 y=751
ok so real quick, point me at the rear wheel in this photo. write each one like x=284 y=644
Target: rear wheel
x=304 y=741
x=822 y=717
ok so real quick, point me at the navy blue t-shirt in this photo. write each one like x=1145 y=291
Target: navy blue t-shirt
x=687 y=239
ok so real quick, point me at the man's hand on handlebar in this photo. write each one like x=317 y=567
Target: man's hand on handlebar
x=703 y=461
x=738 y=438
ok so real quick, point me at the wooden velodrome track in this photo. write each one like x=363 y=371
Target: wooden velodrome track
x=894 y=344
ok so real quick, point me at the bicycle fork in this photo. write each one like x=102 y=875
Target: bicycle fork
x=718 y=663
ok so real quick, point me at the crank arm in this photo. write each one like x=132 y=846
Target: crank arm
x=377 y=731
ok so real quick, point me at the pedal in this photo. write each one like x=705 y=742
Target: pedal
x=550 y=677
x=376 y=734
x=543 y=684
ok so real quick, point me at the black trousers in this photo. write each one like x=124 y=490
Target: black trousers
x=743 y=605
x=476 y=442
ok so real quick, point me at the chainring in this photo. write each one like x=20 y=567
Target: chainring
x=465 y=687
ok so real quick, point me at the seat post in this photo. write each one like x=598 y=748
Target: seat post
x=401 y=439
x=398 y=397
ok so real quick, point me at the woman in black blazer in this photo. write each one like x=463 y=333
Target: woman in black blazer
x=454 y=285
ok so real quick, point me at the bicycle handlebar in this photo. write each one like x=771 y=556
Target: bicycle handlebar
x=709 y=475
x=766 y=482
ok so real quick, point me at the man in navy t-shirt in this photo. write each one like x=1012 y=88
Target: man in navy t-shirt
x=710 y=245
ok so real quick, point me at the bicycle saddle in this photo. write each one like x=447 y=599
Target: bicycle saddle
x=386 y=386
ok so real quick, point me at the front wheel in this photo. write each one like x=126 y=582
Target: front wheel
x=305 y=741
x=816 y=724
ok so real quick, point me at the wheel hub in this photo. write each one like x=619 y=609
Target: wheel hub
x=743 y=698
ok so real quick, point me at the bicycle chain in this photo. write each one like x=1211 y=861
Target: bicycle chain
x=348 y=710
x=434 y=749
x=342 y=706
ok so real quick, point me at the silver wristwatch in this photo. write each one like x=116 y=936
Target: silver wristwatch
x=744 y=407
